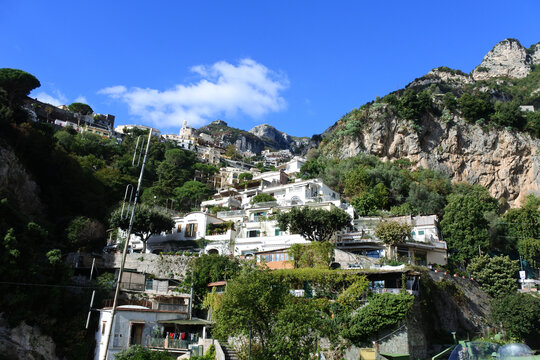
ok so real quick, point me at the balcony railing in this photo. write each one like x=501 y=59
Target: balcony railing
x=167 y=343
x=392 y=291
x=173 y=307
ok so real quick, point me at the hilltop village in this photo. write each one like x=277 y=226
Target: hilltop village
x=409 y=224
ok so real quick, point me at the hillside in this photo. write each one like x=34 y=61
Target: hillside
x=255 y=140
x=468 y=126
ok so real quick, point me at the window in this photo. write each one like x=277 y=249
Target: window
x=103 y=325
x=253 y=233
x=420 y=232
x=277 y=232
x=413 y=233
x=179 y=228
x=191 y=230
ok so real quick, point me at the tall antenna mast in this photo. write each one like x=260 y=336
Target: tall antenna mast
x=130 y=206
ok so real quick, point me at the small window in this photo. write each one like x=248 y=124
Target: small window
x=413 y=233
x=421 y=232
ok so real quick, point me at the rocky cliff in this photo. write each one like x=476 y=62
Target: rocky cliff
x=25 y=342
x=274 y=138
x=256 y=140
x=508 y=58
x=503 y=159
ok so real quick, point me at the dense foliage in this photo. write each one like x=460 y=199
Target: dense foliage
x=464 y=225
x=519 y=315
x=496 y=275
x=313 y=224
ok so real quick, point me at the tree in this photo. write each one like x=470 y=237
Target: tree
x=519 y=315
x=496 y=275
x=137 y=352
x=474 y=107
x=17 y=84
x=148 y=221
x=383 y=311
x=245 y=176
x=313 y=224
x=191 y=194
x=393 y=233
x=523 y=223
x=262 y=197
x=464 y=225
x=86 y=232
x=232 y=153
x=80 y=108
x=206 y=269
x=316 y=254
x=529 y=248
x=296 y=328
x=253 y=299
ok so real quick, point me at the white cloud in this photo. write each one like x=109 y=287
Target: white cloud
x=57 y=99
x=223 y=89
x=81 y=99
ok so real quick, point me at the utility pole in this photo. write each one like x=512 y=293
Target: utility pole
x=124 y=253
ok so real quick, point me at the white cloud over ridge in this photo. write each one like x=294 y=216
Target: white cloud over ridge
x=224 y=89
x=57 y=99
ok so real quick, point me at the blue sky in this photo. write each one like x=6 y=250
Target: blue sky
x=297 y=65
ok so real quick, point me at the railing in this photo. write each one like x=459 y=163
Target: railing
x=167 y=343
x=145 y=303
x=132 y=286
x=230 y=213
x=173 y=307
x=265 y=204
x=394 y=291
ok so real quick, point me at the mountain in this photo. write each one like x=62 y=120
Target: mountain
x=469 y=126
x=256 y=140
x=276 y=139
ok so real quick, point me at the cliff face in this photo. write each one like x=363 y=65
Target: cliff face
x=505 y=162
x=276 y=139
x=508 y=58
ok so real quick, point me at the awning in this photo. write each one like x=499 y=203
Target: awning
x=194 y=321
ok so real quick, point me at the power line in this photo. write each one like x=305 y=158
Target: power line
x=48 y=285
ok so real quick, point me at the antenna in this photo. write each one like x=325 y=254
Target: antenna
x=130 y=228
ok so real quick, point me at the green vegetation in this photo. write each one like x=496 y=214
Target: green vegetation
x=496 y=275
x=519 y=315
x=80 y=108
x=262 y=197
x=137 y=352
x=464 y=225
x=316 y=254
x=313 y=224
x=147 y=221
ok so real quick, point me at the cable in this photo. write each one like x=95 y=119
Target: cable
x=49 y=285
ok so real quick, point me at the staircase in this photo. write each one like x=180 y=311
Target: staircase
x=230 y=354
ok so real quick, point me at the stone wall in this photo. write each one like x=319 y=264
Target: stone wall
x=161 y=266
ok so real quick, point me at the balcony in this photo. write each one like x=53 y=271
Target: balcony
x=167 y=343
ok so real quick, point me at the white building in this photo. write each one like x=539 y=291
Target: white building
x=191 y=227
x=293 y=166
x=121 y=128
x=423 y=247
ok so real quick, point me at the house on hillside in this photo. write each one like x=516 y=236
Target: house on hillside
x=193 y=226
x=423 y=247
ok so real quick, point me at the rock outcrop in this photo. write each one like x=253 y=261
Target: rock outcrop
x=277 y=139
x=25 y=342
x=16 y=183
x=507 y=59
x=506 y=162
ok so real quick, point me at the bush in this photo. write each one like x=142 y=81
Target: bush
x=496 y=275
x=519 y=315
